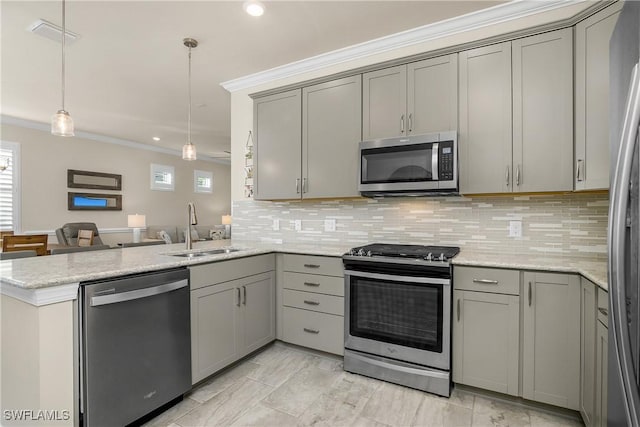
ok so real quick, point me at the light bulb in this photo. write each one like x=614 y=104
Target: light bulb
x=253 y=8
x=62 y=124
x=189 y=151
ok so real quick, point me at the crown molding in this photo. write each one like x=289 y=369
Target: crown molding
x=472 y=21
x=45 y=127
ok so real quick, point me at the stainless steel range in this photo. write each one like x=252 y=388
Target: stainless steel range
x=398 y=314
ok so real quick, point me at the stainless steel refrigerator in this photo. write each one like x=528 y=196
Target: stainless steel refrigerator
x=624 y=223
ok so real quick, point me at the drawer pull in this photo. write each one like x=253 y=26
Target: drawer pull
x=312 y=266
x=485 y=281
x=311 y=302
x=311 y=331
x=604 y=311
x=311 y=284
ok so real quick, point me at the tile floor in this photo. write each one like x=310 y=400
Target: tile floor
x=287 y=386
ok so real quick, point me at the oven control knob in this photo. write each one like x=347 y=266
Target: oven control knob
x=442 y=258
x=368 y=253
x=429 y=256
x=360 y=252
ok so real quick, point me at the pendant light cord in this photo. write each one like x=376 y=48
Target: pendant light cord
x=189 y=121
x=64 y=37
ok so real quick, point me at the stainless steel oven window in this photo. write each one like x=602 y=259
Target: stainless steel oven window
x=403 y=313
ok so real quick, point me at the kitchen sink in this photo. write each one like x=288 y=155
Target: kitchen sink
x=205 y=253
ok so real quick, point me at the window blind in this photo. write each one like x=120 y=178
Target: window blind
x=6 y=190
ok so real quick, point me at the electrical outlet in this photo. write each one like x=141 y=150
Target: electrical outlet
x=515 y=228
x=276 y=225
x=329 y=225
x=297 y=224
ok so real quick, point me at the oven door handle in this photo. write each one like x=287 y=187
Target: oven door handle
x=409 y=370
x=394 y=278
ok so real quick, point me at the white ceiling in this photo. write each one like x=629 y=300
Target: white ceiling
x=127 y=74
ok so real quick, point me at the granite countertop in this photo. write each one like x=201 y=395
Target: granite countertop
x=54 y=270
x=48 y=271
x=592 y=269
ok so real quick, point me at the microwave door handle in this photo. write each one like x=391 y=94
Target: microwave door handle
x=434 y=161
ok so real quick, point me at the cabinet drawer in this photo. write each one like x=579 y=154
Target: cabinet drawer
x=314 y=283
x=315 y=302
x=223 y=271
x=603 y=307
x=494 y=280
x=328 y=266
x=320 y=331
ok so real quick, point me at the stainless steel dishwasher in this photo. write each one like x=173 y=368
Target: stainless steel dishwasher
x=135 y=345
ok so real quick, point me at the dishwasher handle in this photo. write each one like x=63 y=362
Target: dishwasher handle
x=138 y=293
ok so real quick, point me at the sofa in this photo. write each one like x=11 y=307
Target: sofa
x=176 y=233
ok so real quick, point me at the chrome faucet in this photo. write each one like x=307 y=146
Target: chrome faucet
x=193 y=220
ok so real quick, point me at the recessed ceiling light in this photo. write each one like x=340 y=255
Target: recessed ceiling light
x=253 y=8
x=155 y=138
x=52 y=31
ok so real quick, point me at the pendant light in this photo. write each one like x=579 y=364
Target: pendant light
x=189 y=150
x=61 y=122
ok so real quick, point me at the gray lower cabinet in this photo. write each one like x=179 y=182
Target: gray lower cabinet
x=331 y=131
x=485 y=138
x=486 y=331
x=277 y=146
x=588 y=295
x=551 y=339
x=592 y=98
x=232 y=312
x=602 y=352
x=543 y=112
x=310 y=301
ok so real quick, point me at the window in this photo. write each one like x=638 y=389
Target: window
x=162 y=177
x=202 y=181
x=10 y=186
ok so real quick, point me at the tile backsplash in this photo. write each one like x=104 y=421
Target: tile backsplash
x=571 y=224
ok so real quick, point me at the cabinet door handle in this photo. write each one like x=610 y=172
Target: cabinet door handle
x=485 y=281
x=410 y=122
x=506 y=176
x=604 y=311
x=244 y=293
x=311 y=302
x=458 y=309
x=305 y=185
x=312 y=266
x=518 y=175
x=402 y=123
x=311 y=284
x=239 y=297
x=311 y=331
x=579 y=177
x=529 y=294
x=297 y=185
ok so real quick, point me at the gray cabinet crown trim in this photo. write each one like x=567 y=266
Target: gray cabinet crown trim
x=253 y=80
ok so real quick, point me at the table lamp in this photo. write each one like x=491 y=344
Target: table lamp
x=226 y=221
x=136 y=222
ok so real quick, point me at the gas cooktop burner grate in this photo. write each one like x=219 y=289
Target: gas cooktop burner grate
x=429 y=253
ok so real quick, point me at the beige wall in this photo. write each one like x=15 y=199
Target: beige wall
x=242 y=105
x=46 y=158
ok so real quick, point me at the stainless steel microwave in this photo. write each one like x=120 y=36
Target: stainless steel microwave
x=417 y=165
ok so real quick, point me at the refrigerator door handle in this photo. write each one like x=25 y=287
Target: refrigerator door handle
x=616 y=248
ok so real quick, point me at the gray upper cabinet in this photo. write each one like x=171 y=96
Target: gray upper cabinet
x=331 y=130
x=384 y=103
x=432 y=95
x=592 y=98
x=278 y=149
x=551 y=339
x=543 y=112
x=420 y=97
x=485 y=139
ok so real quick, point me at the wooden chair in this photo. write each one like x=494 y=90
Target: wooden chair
x=85 y=237
x=37 y=242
